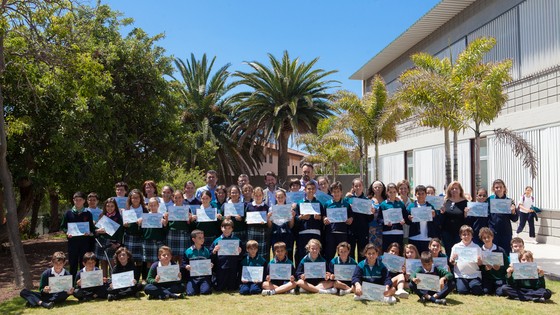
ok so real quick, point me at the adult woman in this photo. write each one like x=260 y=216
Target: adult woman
x=453 y=214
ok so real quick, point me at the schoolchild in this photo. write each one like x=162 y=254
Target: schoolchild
x=240 y=228
x=178 y=235
x=343 y=258
x=467 y=273
x=446 y=283
x=88 y=294
x=133 y=233
x=493 y=276
x=336 y=233
x=123 y=262
x=211 y=229
x=273 y=286
x=106 y=244
x=393 y=231
x=153 y=238
x=420 y=233
x=527 y=289
x=282 y=231
x=313 y=285
x=252 y=259
x=197 y=251
x=189 y=190
x=477 y=223
x=225 y=267
x=258 y=231
x=155 y=289
x=308 y=226
x=359 y=230
x=372 y=270
x=500 y=223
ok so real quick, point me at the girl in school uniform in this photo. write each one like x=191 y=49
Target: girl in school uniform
x=400 y=281
x=315 y=285
x=257 y=231
x=211 y=229
x=167 y=196
x=500 y=223
x=133 y=233
x=189 y=190
x=393 y=231
x=282 y=232
x=123 y=262
x=529 y=289
x=108 y=244
x=178 y=234
x=336 y=233
x=343 y=258
x=527 y=214
x=377 y=192
x=308 y=226
x=153 y=238
x=239 y=228
x=478 y=223
x=359 y=230
x=372 y=270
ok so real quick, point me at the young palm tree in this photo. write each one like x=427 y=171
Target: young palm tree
x=207 y=109
x=287 y=98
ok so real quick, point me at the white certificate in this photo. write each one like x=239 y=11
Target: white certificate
x=393 y=263
x=309 y=208
x=492 y=258
x=372 y=291
x=178 y=213
x=344 y=272
x=441 y=262
x=108 y=225
x=295 y=196
x=60 y=283
x=95 y=213
x=393 y=215
x=525 y=271
x=122 y=279
x=256 y=217
x=78 y=228
x=89 y=279
x=280 y=271
x=435 y=201
x=200 y=267
x=281 y=214
x=162 y=207
x=121 y=202
x=152 y=220
x=428 y=282
x=314 y=270
x=513 y=258
x=477 y=209
x=129 y=216
x=412 y=265
x=337 y=215
x=502 y=206
x=252 y=273
x=206 y=215
x=168 y=273
x=234 y=209
x=322 y=197
x=467 y=254
x=360 y=205
x=421 y=214
x=228 y=247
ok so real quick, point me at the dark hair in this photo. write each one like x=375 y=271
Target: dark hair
x=79 y=194
x=370 y=192
x=194 y=233
x=93 y=194
x=307 y=164
x=419 y=188
x=118 y=252
x=110 y=200
x=336 y=185
x=270 y=173
x=151 y=183
x=122 y=184
x=129 y=200
x=426 y=257
x=368 y=247
x=88 y=256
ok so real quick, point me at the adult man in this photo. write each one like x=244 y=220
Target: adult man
x=308 y=175
x=243 y=180
x=270 y=191
x=211 y=183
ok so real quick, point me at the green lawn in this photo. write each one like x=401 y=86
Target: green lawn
x=225 y=303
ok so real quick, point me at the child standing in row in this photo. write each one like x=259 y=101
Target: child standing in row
x=393 y=231
x=107 y=244
x=153 y=238
x=258 y=231
x=336 y=233
x=199 y=284
x=282 y=231
x=225 y=267
x=500 y=223
x=309 y=226
x=178 y=237
x=133 y=232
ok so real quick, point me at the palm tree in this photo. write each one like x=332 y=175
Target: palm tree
x=330 y=146
x=288 y=98
x=207 y=110
x=369 y=119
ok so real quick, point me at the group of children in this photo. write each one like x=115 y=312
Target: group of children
x=182 y=242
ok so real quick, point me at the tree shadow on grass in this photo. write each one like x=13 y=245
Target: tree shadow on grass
x=13 y=306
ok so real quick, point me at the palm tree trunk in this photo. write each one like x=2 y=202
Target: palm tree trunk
x=376 y=146
x=477 y=172
x=447 y=158
x=361 y=148
x=455 y=157
x=283 y=157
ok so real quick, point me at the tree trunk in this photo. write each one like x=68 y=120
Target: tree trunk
x=283 y=157
x=25 y=186
x=447 y=158
x=35 y=211
x=361 y=148
x=477 y=172
x=376 y=157
x=55 y=220
x=455 y=157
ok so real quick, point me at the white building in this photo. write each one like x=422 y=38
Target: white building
x=528 y=32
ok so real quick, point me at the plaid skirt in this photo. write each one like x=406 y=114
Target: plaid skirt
x=242 y=236
x=179 y=241
x=134 y=244
x=150 y=250
x=258 y=233
x=99 y=251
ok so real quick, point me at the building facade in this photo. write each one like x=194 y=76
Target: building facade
x=528 y=33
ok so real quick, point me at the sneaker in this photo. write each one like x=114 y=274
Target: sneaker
x=390 y=300
x=48 y=305
x=332 y=291
x=111 y=297
x=441 y=301
x=344 y=292
x=401 y=294
x=266 y=292
x=532 y=240
x=303 y=290
x=422 y=300
x=293 y=291
x=358 y=298
x=539 y=300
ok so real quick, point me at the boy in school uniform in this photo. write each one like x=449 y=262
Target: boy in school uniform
x=421 y=232
x=526 y=289
x=308 y=226
x=78 y=245
x=44 y=297
x=88 y=294
x=336 y=233
x=202 y=284
x=163 y=291
x=225 y=267
x=493 y=277
x=468 y=275
x=446 y=283
x=517 y=245
x=271 y=287
x=252 y=259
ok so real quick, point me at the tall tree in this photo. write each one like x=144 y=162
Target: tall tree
x=330 y=146
x=207 y=105
x=287 y=98
x=369 y=118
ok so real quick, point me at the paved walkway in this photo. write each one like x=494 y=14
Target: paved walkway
x=547 y=257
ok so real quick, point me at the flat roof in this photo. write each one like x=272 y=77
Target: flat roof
x=427 y=24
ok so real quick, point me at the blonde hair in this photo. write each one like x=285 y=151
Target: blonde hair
x=448 y=190
x=252 y=244
x=527 y=254
x=312 y=242
x=413 y=248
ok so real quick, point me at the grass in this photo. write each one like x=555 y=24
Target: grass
x=233 y=303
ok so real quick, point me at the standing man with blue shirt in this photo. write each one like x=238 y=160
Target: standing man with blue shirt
x=308 y=176
x=271 y=187
x=211 y=183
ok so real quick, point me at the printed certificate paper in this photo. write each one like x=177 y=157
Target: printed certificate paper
x=428 y=282
x=314 y=270
x=89 y=279
x=78 y=228
x=344 y=272
x=168 y=273
x=60 y=284
x=252 y=274
x=280 y=271
x=200 y=267
x=122 y=279
x=228 y=247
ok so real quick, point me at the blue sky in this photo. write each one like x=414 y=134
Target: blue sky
x=343 y=34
